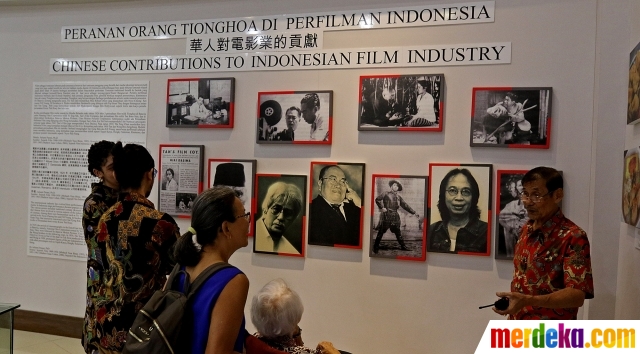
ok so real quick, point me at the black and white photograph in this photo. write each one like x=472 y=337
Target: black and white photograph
x=280 y=214
x=398 y=226
x=180 y=177
x=633 y=105
x=510 y=212
x=170 y=178
x=184 y=201
x=238 y=175
x=200 y=103
x=511 y=117
x=336 y=204
x=294 y=117
x=459 y=209
x=401 y=102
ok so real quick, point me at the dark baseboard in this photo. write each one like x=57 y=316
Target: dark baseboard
x=40 y=322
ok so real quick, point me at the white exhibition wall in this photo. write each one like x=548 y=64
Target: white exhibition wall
x=363 y=305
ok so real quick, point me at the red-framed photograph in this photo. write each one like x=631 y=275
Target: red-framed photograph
x=398 y=224
x=238 y=175
x=336 y=206
x=280 y=214
x=459 y=208
x=511 y=117
x=402 y=102
x=509 y=212
x=200 y=103
x=295 y=117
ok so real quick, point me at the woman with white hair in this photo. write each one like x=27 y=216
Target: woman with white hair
x=276 y=311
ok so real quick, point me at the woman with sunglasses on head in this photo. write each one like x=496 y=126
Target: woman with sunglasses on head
x=460 y=229
x=219 y=227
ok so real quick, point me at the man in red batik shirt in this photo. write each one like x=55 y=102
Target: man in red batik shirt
x=552 y=264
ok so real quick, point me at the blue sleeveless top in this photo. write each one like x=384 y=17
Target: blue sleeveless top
x=202 y=305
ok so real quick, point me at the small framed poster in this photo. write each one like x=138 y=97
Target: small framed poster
x=295 y=117
x=336 y=204
x=402 y=102
x=459 y=208
x=238 y=175
x=200 y=103
x=180 y=178
x=280 y=214
x=511 y=117
x=398 y=223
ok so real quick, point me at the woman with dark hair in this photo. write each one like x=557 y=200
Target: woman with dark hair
x=133 y=242
x=170 y=182
x=460 y=229
x=426 y=115
x=219 y=227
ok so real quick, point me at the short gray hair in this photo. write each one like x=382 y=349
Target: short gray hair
x=283 y=193
x=276 y=310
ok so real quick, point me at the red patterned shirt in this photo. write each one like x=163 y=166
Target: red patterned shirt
x=550 y=258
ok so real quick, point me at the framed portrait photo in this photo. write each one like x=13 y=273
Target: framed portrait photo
x=336 y=204
x=238 y=175
x=280 y=214
x=631 y=187
x=633 y=106
x=200 y=103
x=402 y=102
x=511 y=117
x=179 y=178
x=295 y=117
x=509 y=212
x=398 y=223
x=459 y=208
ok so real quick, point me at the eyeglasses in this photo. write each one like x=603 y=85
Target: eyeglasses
x=335 y=179
x=286 y=212
x=155 y=172
x=453 y=191
x=247 y=216
x=534 y=198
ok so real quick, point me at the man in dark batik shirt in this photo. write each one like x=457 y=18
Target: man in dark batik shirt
x=552 y=275
x=103 y=195
x=135 y=242
x=389 y=203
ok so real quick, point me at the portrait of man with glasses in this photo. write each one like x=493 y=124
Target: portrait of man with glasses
x=279 y=224
x=460 y=225
x=335 y=214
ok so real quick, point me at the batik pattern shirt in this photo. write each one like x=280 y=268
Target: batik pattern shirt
x=137 y=241
x=550 y=258
x=96 y=204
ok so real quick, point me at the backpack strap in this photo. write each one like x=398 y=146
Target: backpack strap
x=204 y=276
x=174 y=275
